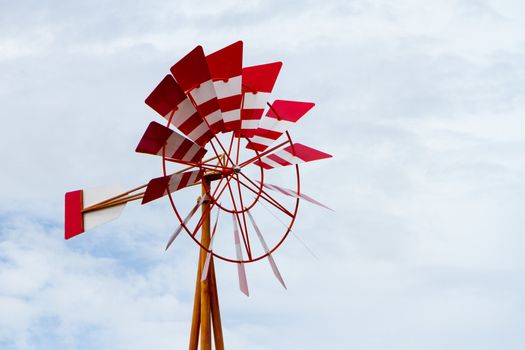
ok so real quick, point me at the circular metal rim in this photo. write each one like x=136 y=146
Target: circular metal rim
x=255 y=200
x=221 y=257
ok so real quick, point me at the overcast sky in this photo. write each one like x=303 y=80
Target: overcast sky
x=420 y=102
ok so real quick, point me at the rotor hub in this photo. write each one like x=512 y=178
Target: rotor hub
x=237 y=169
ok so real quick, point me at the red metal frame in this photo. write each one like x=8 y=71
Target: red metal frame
x=259 y=194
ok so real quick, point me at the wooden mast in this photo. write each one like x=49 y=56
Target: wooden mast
x=206 y=301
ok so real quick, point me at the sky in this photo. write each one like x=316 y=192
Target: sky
x=420 y=102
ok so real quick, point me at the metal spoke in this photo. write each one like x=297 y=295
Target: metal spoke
x=194 y=165
x=251 y=160
x=265 y=193
x=223 y=149
x=210 y=207
x=238 y=150
x=231 y=145
x=242 y=211
x=293 y=232
x=270 y=201
x=246 y=245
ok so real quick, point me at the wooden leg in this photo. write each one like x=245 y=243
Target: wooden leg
x=195 y=322
x=215 y=311
x=206 y=300
x=205 y=296
x=205 y=316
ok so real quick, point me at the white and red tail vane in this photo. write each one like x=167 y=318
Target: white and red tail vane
x=193 y=75
x=294 y=154
x=279 y=118
x=177 y=146
x=77 y=221
x=225 y=68
x=168 y=100
x=294 y=194
x=161 y=186
x=257 y=84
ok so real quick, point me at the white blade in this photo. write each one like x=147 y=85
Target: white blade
x=265 y=246
x=204 y=274
x=294 y=194
x=186 y=220
x=243 y=282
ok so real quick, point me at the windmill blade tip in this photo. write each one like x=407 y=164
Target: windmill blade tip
x=168 y=245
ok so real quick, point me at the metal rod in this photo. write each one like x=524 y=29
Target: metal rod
x=239 y=222
x=115 y=197
x=113 y=203
x=243 y=216
x=193 y=166
x=199 y=223
x=265 y=195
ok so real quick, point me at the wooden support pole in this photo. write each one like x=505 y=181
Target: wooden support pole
x=205 y=295
x=206 y=301
x=215 y=311
x=195 y=322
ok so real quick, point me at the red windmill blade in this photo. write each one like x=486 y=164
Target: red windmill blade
x=257 y=84
x=225 y=68
x=193 y=75
x=281 y=116
x=160 y=140
x=161 y=186
x=295 y=154
x=168 y=100
x=217 y=107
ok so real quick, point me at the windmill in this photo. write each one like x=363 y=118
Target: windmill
x=218 y=137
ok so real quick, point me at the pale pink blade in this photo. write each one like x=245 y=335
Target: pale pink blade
x=295 y=154
x=281 y=116
x=267 y=251
x=171 y=103
x=193 y=75
x=206 y=267
x=257 y=84
x=186 y=220
x=294 y=194
x=243 y=282
x=161 y=186
x=226 y=72
x=160 y=140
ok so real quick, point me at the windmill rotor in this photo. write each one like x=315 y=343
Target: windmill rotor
x=221 y=132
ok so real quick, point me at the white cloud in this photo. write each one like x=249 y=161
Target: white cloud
x=420 y=103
